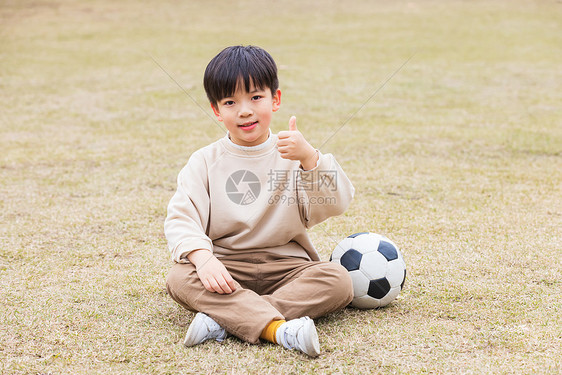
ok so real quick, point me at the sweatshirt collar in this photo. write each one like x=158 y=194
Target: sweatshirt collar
x=251 y=150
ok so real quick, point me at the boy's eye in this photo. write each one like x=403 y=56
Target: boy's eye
x=256 y=97
x=228 y=102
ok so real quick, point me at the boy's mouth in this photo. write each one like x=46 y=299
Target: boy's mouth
x=248 y=125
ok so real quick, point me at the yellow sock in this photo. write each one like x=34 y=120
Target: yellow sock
x=270 y=330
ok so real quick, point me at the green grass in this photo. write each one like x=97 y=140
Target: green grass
x=458 y=159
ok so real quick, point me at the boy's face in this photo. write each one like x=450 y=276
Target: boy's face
x=247 y=115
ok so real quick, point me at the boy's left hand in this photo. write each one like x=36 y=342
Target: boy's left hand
x=293 y=146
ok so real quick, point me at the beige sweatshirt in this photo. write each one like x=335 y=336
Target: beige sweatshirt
x=233 y=199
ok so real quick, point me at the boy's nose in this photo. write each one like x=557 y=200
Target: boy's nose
x=245 y=110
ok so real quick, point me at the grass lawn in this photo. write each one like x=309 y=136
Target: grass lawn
x=457 y=159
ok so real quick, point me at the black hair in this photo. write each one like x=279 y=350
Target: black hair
x=237 y=64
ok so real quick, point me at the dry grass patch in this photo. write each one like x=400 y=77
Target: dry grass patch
x=457 y=160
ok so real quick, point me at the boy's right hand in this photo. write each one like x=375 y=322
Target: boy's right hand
x=212 y=273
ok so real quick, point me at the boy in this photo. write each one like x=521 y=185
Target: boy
x=236 y=226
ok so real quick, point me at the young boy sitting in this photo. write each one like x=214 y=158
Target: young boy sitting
x=236 y=226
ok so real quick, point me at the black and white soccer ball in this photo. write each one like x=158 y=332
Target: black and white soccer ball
x=376 y=267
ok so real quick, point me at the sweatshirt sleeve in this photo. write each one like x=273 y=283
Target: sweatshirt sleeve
x=187 y=221
x=323 y=191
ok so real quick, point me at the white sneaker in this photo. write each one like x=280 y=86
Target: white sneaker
x=203 y=328
x=299 y=334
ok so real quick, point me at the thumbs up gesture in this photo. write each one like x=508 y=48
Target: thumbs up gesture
x=292 y=145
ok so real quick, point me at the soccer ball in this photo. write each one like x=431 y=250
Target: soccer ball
x=376 y=267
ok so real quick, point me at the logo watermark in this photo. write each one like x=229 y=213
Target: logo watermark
x=243 y=187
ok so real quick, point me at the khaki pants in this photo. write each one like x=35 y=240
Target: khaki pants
x=269 y=287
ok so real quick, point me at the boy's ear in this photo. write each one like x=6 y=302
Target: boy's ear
x=216 y=112
x=276 y=100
